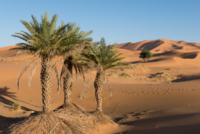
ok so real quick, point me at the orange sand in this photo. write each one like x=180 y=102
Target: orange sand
x=147 y=104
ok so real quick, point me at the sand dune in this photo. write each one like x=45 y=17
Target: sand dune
x=160 y=96
x=160 y=45
x=6 y=52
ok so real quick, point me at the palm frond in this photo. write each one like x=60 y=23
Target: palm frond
x=23 y=72
x=110 y=89
x=32 y=73
x=58 y=78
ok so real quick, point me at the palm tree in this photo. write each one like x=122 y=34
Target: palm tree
x=43 y=39
x=102 y=58
x=70 y=49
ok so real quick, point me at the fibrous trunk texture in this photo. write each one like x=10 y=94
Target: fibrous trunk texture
x=45 y=76
x=98 y=84
x=67 y=82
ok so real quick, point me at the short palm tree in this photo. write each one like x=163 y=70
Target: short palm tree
x=43 y=39
x=70 y=49
x=102 y=58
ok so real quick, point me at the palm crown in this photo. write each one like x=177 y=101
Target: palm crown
x=43 y=38
x=104 y=57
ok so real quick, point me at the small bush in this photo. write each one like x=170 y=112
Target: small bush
x=16 y=106
x=145 y=54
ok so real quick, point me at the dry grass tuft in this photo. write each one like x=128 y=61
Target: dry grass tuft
x=136 y=66
x=6 y=59
x=164 y=77
x=125 y=75
x=15 y=106
x=115 y=75
x=20 y=52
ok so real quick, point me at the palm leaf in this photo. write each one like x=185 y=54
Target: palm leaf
x=32 y=73
x=23 y=72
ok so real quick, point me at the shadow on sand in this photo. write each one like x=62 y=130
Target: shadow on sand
x=151 y=126
x=154 y=60
x=4 y=94
x=184 y=78
x=5 y=122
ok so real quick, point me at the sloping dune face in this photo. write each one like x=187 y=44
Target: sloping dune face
x=160 y=45
x=6 y=52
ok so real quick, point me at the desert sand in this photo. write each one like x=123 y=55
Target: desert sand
x=161 y=96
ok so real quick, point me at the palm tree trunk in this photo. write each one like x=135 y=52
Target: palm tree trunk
x=45 y=77
x=67 y=82
x=98 y=84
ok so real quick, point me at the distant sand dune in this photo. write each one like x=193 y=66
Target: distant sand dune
x=160 y=45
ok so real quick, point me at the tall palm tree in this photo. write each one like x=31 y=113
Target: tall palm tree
x=102 y=58
x=43 y=39
x=70 y=49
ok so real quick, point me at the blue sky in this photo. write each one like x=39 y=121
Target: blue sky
x=118 y=21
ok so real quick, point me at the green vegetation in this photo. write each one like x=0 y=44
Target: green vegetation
x=74 y=46
x=69 y=49
x=101 y=58
x=43 y=39
x=145 y=54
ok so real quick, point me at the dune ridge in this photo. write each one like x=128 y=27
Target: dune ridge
x=160 y=45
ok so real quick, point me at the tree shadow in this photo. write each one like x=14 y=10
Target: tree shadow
x=154 y=60
x=183 y=78
x=139 y=61
x=186 y=55
x=5 y=122
x=158 y=59
x=150 y=125
x=4 y=93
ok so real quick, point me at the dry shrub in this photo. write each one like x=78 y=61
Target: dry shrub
x=125 y=75
x=15 y=106
x=46 y=123
x=115 y=75
x=22 y=52
x=108 y=74
x=136 y=66
x=6 y=59
x=163 y=77
x=112 y=74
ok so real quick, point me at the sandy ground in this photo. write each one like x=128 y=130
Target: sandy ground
x=160 y=97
